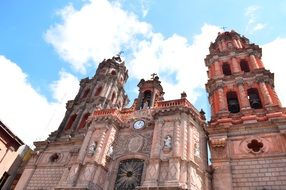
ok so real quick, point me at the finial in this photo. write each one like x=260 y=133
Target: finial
x=119 y=54
x=183 y=94
x=153 y=76
x=223 y=28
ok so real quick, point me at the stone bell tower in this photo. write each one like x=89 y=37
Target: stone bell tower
x=104 y=90
x=65 y=160
x=248 y=124
x=150 y=92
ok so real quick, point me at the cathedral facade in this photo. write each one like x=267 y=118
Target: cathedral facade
x=162 y=144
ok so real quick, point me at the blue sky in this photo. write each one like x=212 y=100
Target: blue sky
x=47 y=46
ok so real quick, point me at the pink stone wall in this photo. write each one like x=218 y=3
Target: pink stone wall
x=267 y=173
x=45 y=178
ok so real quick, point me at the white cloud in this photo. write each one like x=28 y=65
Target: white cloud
x=259 y=26
x=25 y=111
x=251 y=10
x=101 y=29
x=85 y=35
x=180 y=64
x=65 y=88
x=98 y=30
x=274 y=60
x=253 y=24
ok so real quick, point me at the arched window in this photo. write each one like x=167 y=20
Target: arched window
x=85 y=93
x=146 y=100
x=244 y=66
x=113 y=97
x=98 y=91
x=71 y=121
x=83 y=120
x=232 y=101
x=253 y=97
x=226 y=69
x=113 y=72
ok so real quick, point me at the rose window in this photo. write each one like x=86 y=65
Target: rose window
x=129 y=174
x=255 y=146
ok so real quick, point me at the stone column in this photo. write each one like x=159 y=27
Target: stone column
x=244 y=102
x=211 y=101
x=217 y=68
x=239 y=43
x=184 y=138
x=108 y=142
x=177 y=138
x=190 y=143
x=157 y=138
x=266 y=96
x=253 y=61
x=85 y=144
x=77 y=120
x=152 y=171
x=235 y=43
x=100 y=145
x=235 y=64
x=152 y=103
x=221 y=99
x=174 y=172
x=276 y=97
x=184 y=174
x=222 y=178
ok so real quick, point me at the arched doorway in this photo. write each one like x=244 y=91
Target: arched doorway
x=129 y=174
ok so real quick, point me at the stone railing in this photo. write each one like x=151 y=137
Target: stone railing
x=105 y=112
x=178 y=102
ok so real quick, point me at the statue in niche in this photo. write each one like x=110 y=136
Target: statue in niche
x=92 y=148
x=110 y=151
x=145 y=105
x=168 y=142
x=197 y=149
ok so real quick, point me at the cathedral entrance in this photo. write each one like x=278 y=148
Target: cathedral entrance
x=129 y=174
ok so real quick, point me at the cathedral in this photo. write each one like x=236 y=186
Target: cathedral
x=159 y=144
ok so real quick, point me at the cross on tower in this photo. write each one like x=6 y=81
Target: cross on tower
x=121 y=52
x=224 y=27
x=153 y=76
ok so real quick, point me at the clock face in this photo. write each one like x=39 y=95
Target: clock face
x=138 y=124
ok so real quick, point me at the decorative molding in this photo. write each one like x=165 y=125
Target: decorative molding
x=217 y=142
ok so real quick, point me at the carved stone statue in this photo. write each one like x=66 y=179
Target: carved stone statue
x=110 y=151
x=92 y=148
x=145 y=105
x=197 y=149
x=168 y=142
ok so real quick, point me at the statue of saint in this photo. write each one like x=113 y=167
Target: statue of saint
x=110 y=151
x=92 y=148
x=168 y=142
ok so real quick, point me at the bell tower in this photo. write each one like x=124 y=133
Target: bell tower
x=150 y=92
x=247 y=127
x=105 y=90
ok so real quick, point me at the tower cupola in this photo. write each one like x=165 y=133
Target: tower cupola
x=150 y=91
x=238 y=80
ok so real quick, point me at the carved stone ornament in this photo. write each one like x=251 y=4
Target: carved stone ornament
x=217 y=142
x=110 y=151
x=92 y=149
x=197 y=149
x=167 y=144
x=55 y=157
x=135 y=144
x=255 y=145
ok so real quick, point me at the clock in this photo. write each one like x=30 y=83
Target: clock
x=139 y=124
